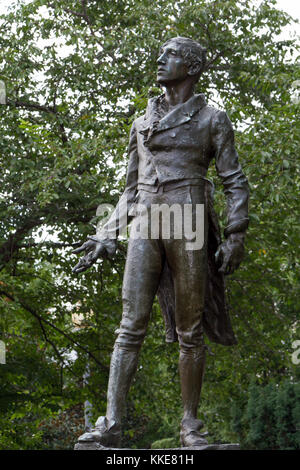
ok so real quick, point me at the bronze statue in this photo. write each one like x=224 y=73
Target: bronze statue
x=170 y=149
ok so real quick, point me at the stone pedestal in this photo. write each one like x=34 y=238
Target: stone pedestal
x=96 y=446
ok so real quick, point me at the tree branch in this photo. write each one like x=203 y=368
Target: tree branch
x=50 y=245
x=43 y=108
x=47 y=322
x=213 y=60
x=30 y=105
x=11 y=245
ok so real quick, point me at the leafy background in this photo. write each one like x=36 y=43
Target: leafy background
x=77 y=73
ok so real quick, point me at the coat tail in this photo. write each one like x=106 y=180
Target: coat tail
x=216 y=319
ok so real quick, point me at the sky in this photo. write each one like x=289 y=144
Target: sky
x=290 y=6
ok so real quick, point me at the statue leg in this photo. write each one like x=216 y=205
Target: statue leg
x=191 y=369
x=189 y=271
x=141 y=277
x=189 y=312
x=123 y=366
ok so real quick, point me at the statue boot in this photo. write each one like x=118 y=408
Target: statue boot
x=191 y=368
x=189 y=433
x=106 y=433
x=123 y=365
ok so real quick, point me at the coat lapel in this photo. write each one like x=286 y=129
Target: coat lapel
x=152 y=122
x=182 y=113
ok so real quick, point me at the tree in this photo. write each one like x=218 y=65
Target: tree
x=77 y=73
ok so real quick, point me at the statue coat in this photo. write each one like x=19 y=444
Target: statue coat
x=177 y=146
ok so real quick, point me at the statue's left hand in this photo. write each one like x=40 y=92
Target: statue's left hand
x=230 y=253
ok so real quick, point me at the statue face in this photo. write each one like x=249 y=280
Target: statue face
x=171 y=67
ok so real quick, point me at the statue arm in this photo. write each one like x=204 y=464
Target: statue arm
x=104 y=242
x=235 y=184
x=229 y=170
x=119 y=218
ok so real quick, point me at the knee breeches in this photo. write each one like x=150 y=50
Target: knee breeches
x=144 y=264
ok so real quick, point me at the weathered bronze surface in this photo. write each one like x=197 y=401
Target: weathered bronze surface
x=170 y=149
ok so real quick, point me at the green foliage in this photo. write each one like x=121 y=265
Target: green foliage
x=33 y=429
x=271 y=417
x=76 y=75
x=167 y=443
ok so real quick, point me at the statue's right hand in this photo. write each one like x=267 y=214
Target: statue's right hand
x=93 y=250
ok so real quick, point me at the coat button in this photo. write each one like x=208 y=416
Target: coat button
x=173 y=134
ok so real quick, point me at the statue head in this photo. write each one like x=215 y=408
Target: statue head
x=180 y=57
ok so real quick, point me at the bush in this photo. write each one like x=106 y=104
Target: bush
x=271 y=417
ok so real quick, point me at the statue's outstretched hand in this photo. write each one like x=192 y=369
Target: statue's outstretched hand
x=230 y=253
x=94 y=249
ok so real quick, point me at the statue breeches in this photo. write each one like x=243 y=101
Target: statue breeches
x=150 y=246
